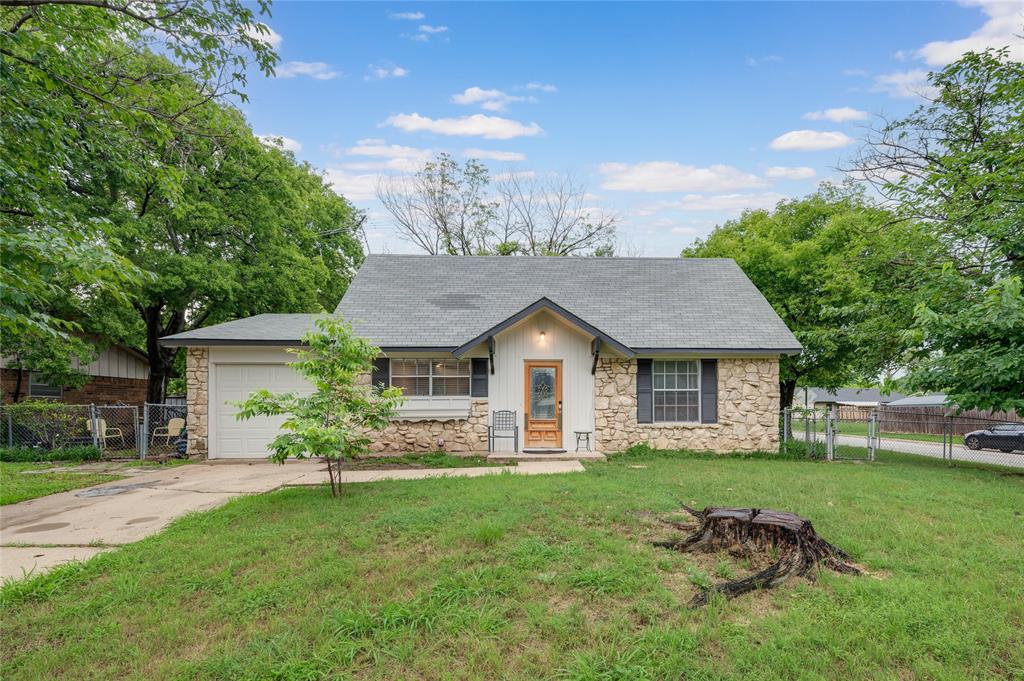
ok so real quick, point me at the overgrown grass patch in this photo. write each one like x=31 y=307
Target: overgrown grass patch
x=544 y=577
x=20 y=482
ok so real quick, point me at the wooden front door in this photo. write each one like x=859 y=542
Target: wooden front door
x=543 y=404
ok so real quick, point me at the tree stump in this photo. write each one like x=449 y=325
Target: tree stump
x=746 y=531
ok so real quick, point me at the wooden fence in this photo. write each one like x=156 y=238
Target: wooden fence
x=932 y=420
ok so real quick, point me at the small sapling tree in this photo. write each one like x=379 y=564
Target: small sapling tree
x=332 y=422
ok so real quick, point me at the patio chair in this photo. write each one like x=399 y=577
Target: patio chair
x=504 y=426
x=171 y=430
x=104 y=433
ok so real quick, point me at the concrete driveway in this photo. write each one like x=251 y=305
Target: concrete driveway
x=38 y=534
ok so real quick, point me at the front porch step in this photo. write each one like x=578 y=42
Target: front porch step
x=537 y=456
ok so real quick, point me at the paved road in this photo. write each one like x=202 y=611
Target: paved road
x=932 y=449
x=38 y=534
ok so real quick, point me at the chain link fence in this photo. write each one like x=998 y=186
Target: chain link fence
x=892 y=433
x=46 y=425
x=164 y=426
x=118 y=431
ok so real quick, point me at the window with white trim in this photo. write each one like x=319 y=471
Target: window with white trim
x=38 y=387
x=431 y=377
x=676 y=390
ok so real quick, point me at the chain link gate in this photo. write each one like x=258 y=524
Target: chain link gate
x=851 y=436
x=116 y=430
x=164 y=428
x=803 y=428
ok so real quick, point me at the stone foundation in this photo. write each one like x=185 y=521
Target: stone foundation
x=452 y=435
x=748 y=410
x=197 y=379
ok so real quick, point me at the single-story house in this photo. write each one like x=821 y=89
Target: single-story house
x=819 y=398
x=117 y=374
x=672 y=352
x=931 y=400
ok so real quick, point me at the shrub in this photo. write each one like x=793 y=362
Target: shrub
x=30 y=454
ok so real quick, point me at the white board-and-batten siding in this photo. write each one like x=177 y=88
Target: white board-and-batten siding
x=522 y=342
x=114 y=361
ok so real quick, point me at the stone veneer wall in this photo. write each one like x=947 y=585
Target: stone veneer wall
x=451 y=435
x=748 y=410
x=197 y=381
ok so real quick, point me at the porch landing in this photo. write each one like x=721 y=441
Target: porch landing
x=546 y=456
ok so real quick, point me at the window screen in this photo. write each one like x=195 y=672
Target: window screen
x=426 y=377
x=38 y=387
x=676 y=390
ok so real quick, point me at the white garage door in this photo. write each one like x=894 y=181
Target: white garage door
x=233 y=439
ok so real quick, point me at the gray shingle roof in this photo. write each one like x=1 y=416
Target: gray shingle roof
x=424 y=300
x=853 y=395
x=263 y=329
x=444 y=301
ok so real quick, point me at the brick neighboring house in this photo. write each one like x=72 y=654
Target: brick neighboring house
x=673 y=352
x=119 y=374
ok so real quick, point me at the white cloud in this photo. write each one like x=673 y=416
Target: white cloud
x=543 y=87
x=768 y=59
x=381 y=71
x=386 y=156
x=668 y=176
x=425 y=32
x=518 y=175
x=317 y=70
x=905 y=84
x=490 y=100
x=790 y=173
x=493 y=154
x=282 y=142
x=265 y=34
x=477 y=125
x=855 y=73
x=1001 y=29
x=731 y=203
x=406 y=16
x=353 y=186
x=842 y=114
x=810 y=140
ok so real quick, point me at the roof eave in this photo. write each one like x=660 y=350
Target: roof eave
x=172 y=342
x=545 y=304
x=718 y=351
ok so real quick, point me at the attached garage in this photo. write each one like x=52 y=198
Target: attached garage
x=234 y=374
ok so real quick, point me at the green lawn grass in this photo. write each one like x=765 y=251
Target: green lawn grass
x=861 y=428
x=517 y=577
x=17 y=485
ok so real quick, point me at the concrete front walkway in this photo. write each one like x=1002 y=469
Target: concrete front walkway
x=38 y=534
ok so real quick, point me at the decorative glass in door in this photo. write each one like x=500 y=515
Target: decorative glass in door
x=542 y=392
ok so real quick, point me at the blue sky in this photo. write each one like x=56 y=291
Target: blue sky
x=675 y=116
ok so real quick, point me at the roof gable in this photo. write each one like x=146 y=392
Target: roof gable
x=530 y=310
x=642 y=303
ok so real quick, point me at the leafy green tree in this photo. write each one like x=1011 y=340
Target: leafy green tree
x=53 y=356
x=223 y=225
x=246 y=230
x=79 y=86
x=977 y=350
x=333 y=422
x=955 y=166
x=823 y=264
